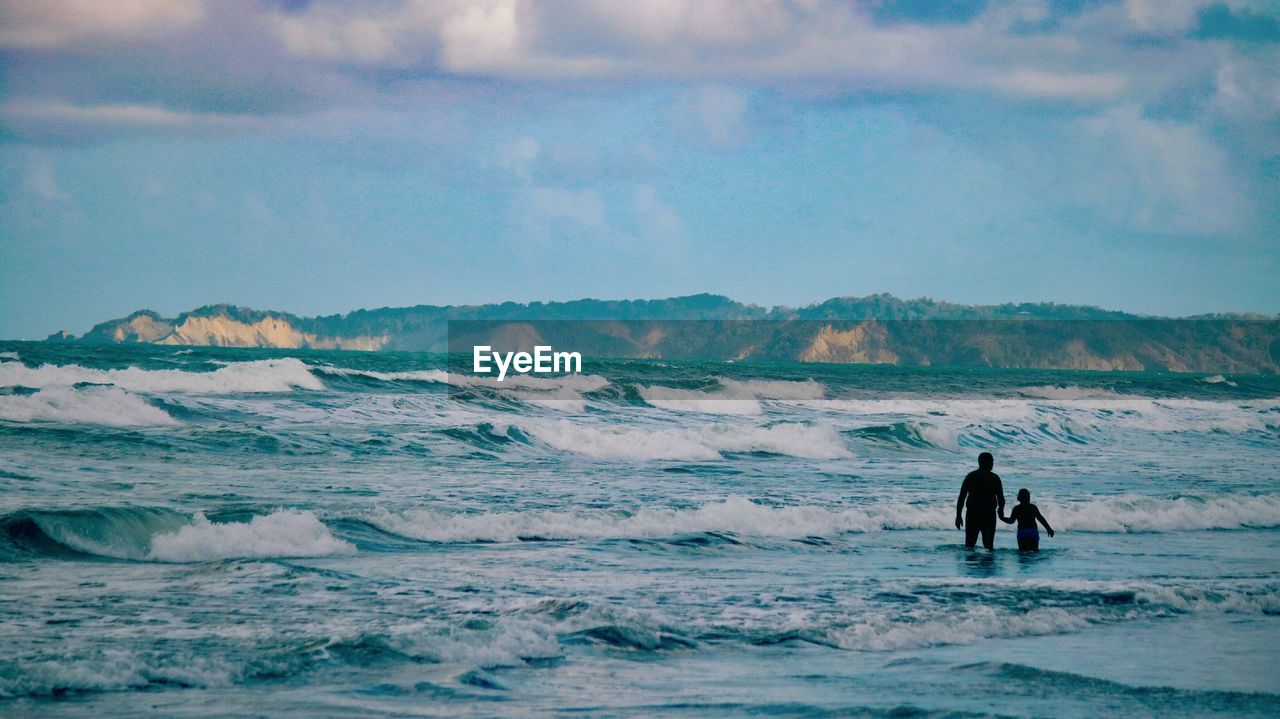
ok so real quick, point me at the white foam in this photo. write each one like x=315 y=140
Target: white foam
x=686 y=400
x=734 y=514
x=576 y=383
x=1041 y=418
x=774 y=389
x=109 y=406
x=1134 y=513
x=1217 y=379
x=283 y=533
x=887 y=632
x=271 y=375
x=743 y=516
x=1069 y=392
x=729 y=396
x=701 y=443
x=9 y=356
x=112 y=669
x=424 y=375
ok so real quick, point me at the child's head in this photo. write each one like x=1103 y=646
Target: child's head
x=1024 y=495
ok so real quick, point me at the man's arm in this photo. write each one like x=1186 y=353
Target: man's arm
x=1044 y=521
x=999 y=495
x=964 y=492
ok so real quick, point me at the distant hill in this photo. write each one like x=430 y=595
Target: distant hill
x=873 y=329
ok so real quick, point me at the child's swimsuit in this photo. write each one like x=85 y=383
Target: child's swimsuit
x=1028 y=533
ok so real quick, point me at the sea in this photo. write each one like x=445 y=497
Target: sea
x=197 y=532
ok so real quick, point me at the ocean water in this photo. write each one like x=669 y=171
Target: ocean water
x=203 y=532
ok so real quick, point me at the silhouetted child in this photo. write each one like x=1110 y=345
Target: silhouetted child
x=1026 y=514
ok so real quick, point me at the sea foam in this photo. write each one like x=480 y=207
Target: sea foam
x=283 y=533
x=108 y=406
x=700 y=443
x=271 y=375
x=741 y=515
x=729 y=396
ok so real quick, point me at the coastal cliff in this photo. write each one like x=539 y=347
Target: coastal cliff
x=879 y=329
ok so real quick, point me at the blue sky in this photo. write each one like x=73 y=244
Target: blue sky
x=319 y=157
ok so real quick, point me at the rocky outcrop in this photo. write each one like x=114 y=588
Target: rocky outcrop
x=225 y=326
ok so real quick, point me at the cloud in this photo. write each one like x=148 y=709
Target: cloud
x=74 y=123
x=1157 y=176
x=583 y=207
x=518 y=158
x=480 y=37
x=658 y=222
x=712 y=116
x=387 y=78
x=41 y=24
x=42 y=180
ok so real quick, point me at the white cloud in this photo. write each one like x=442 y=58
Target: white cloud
x=658 y=221
x=480 y=36
x=50 y=23
x=42 y=180
x=713 y=116
x=518 y=158
x=81 y=122
x=583 y=207
x=1156 y=176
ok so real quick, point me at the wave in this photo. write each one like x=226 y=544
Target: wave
x=729 y=396
x=690 y=400
x=115 y=669
x=270 y=375
x=160 y=535
x=9 y=357
x=702 y=443
x=1057 y=607
x=997 y=421
x=1218 y=379
x=108 y=406
x=1134 y=513
x=1069 y=392
x=283 y=533
x=436 y=376
x=911 y=434
x=576 y=383
x=741 y=516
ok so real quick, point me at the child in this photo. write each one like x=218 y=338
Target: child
x=1026 y=514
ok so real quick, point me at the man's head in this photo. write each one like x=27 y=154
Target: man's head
x=986 y=461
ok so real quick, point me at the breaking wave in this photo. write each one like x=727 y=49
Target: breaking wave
x=437 y=376
x=742 y=516
x=270 y=375
x=729 y=396
x=1059 y=607
x=108 y=406
x=700 y=443
x=147 y=534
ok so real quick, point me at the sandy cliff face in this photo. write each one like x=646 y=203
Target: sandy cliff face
x=223 y=331
x=864 y=344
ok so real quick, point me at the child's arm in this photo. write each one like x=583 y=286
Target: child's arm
x=1011 y=518
x=1044 y=521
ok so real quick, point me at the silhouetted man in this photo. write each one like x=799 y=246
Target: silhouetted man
x=986 y=501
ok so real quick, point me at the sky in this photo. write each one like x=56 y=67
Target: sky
x=322 y=156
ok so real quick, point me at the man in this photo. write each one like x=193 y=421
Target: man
x=986 y=501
